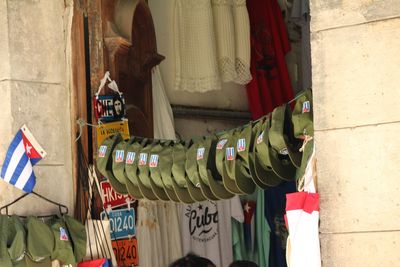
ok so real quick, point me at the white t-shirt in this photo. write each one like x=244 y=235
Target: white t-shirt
x=206 y=229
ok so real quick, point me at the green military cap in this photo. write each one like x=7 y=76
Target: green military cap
x=130 y=169
x=104 y=162
x=165 y=165
x=281 y=135
x=77 y=233
x=119 y=157
x=192 y=173
x=278 y=151
x=143 y=170
x=243 y=175
x=28 y=262
x=302 y=117
x=228 y=187
x=4 y=255
x=156 y=182
x=228 y=164
x=256 y=126
x=179 y=173
x=40 y=241
x=12 y=241
x=264 y=175
x=202 y=152
x=63 y=250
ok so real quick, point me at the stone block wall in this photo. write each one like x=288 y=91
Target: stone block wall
x=35 y=90
x=355 y=68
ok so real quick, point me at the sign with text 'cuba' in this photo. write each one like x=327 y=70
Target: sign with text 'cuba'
x=111 y=198
x=122 y=223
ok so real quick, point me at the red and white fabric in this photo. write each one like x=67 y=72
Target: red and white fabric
x=302 y=215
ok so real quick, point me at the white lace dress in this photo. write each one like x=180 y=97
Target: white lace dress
x=196 y=68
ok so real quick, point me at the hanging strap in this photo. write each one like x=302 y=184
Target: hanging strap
x=112 y=84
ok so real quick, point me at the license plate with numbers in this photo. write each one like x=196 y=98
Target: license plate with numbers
x=122 y=223
x=125 y=251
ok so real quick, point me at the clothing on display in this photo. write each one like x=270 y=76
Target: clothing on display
x=275 y=203
x=206 y=229
x=196 y=68
x=302 y=213
x=270 y=86
x=251 y=238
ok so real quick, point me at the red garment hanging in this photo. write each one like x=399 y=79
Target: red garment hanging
x=270 y=86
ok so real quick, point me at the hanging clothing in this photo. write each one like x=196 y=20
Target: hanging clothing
x=158 y=223
x=206 y=229
x=275 y=203
x=270 y=86
x=242 y=42
x=196 y=68
x=302 y=213
x=148 y=235
x=225 y=38
x=251 y=238
x=163 y=119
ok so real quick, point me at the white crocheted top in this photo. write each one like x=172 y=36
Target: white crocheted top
x=196 y=68
x=242 y=42
x=212 y=43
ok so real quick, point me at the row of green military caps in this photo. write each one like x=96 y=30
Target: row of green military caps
x=261 y=153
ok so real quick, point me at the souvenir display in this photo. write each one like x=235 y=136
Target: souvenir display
x=262 y=153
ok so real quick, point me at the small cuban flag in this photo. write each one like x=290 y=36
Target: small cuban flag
x=24 y=152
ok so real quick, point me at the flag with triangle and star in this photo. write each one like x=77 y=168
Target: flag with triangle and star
x=23 y=153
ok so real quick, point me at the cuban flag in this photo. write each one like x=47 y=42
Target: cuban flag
x=130 y=157
x=153 y=161
x=249 y=208
x=241 y=145
x=306 y=107
x=142 y=159
x=230 y=153
x=24 y=152
x=119 y=155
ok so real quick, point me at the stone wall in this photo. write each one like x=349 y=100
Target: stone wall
x=35 y=90
x=356 y=66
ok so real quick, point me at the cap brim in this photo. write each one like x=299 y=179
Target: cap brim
x=243 y=181
x=207 y=191
x=287 y=171
x=158 y=191
x=182 y=193
x=146 y=192
x=107 y=170
x=254 y=175
x=229 y=183
x=195 y=192
x=171 y=193
x=217 y=188
x=133 y=190
x=28 y=262
x=265 y=176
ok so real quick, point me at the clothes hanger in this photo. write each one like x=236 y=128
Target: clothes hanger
x=60 y=206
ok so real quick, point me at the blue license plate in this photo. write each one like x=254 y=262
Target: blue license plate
x=122 y=223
